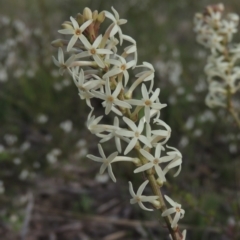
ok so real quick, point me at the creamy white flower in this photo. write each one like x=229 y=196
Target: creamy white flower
x=111 y=99
x=95 y=128
x=95 y=52
x=154 y=162
x=132 y=48
x=148 y=102
x=116 y=24
x=228 y=28
x=116 y=136
x=135 y=134
x=92 y=123
x=120 y=67
x=60 y=62
x=176 y=208
x=215 y=42
x=176 y=161
x=160 y=134
x=82 y=84
x=144 y=76
x=139 y=198
x=148 y=74
x=77 y=33
x=106 y=161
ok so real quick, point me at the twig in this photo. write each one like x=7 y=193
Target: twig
x=28 y=215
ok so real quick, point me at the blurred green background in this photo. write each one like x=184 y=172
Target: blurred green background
x=49 y=190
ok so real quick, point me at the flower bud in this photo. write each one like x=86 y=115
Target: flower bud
x=156 y=204
x=67 y=25
x=95 y=15
x=101 y=17
x=87 y=13
x=80 y=19
x=160 y=182
x=57 y=43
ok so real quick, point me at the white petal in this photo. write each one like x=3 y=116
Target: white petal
x=115 y=13
x=170 y=200
x=74 y=23
x=147 y=155
x=101 y=151
x=144 y=167
x=158 y=150
x=131 y=189
x=160 y=173
x=155 y=94
x=97 y=41
x=143 y=207
x=94 y=158
x=85 y=25
x=71 y=42
x=112 y=72
x=130 y=146
x=125 y=133
x=142 y=187
x=84 y=41
x=110 y=16
x=110 y=172
x=55 y=61
x=145 y=92
x=108 y=108
x=117 y=90
x=135 y=102
x=114 y=30
x=144 y=140
x=130 y=123
x=99 y=61
x=122 y=103
x=60 y=56
x=112 y=156
x=168 y=212
x=175 y=220
x=66 y=31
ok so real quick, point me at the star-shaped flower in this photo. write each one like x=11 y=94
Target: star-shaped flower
x=160 y=134
x=148 y=102
x=111 y=99
x=176 y=208
x=135 y=134
x=77 y=32
x=139 y=198
x=120 y=67
x=116 y=24
x=154 y=161
x=176 y=161
x=60 y=62
x=106 y=161
x=92 y=50
x=94 y=127
x=112 y=134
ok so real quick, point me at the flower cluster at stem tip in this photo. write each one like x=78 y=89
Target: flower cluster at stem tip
x=215 y=32
x=100 y=71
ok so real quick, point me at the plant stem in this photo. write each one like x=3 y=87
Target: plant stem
x=156 y=191
x=230 y=107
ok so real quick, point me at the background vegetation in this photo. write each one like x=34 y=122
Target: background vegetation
x=49 y=190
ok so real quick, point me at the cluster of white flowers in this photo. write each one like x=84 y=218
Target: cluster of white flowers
x=104 y=74
x=215 y=33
